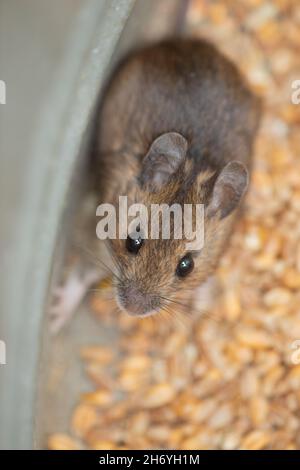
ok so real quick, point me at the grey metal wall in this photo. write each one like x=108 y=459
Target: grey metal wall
x=53 y=57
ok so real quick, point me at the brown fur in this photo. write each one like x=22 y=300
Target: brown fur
x=187 y=87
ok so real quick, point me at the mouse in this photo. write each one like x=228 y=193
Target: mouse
x=176 y=125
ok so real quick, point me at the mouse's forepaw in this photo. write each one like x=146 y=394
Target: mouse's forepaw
x=66 y=299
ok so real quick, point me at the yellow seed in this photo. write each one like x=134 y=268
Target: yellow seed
x=98 y=374
x=255 y=239
x=98 y=398
x=159 y=395
x=199 y=441
x=231 y=441
x=261 y=179
x=254 y=338
x=199 y=411
x=136 y=362
x=277 y=296
x=258 y=410
x=131 y=380
x=174 y=342
x=116 y=412
x=232 y=305
x=249 y=383
x=239 y=354
x=263 y=262
x=271 y=380
x=293 y=377
x=100 y=354
x=269 y=34
x=222 y=417
x=261 y=15
x=63 y=442
x=140 y=443
x=291 y=278
x=290 y=114
x=218 y=13
x=83 y=419
x=175 y=436
x=255 y=440
x=159 y=434
x=103 y=445
x=297 y=259
x=139 y=423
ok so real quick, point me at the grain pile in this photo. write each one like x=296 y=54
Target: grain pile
x=229 y=379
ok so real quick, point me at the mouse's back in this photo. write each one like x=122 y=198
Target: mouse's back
x=186 y=86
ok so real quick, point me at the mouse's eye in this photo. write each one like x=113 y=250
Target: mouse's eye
x=185 y=266
x=133 y=245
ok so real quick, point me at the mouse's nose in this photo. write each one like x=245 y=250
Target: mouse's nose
x=137 y=302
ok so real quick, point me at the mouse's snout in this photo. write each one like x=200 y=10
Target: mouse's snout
x=136 y=302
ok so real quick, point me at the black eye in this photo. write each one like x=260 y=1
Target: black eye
x=185 y=266
x=133 y=245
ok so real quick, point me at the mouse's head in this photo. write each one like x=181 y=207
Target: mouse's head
x=151 y=272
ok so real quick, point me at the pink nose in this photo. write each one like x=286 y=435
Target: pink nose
x=136 y=302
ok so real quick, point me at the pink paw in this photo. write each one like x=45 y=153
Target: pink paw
x=67 y=298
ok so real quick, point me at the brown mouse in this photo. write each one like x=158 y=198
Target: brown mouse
x=176 y=125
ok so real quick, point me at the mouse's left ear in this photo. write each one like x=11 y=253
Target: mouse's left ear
x=163 y=159
x=228 y=189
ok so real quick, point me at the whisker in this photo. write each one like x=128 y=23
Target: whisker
x=113 y=255
x=174 y=301
x=116 y=310
x=98 y=262
x=100 y=291
x=205 y=314
x=173 y=314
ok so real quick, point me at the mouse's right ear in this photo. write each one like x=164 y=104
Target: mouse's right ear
x=228 y=189
x=163 y=159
